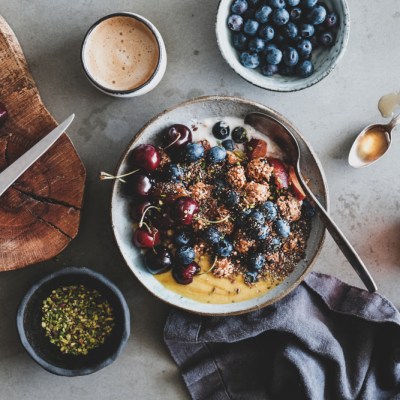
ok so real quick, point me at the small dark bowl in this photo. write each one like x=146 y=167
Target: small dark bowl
x=48 y=355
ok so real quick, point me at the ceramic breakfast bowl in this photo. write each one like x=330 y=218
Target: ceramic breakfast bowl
x=48 y=355
x=324 y=59
x=199 y=109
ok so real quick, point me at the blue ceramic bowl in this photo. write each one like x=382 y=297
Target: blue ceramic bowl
x=48 y=355
x=324 y=60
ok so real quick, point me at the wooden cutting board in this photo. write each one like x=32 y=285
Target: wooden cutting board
x=40 y=213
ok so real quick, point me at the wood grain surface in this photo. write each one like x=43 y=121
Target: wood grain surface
x=40 y=213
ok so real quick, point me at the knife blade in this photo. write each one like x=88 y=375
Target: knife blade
x=18 y=167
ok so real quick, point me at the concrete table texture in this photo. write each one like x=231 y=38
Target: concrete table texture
x=365 y=203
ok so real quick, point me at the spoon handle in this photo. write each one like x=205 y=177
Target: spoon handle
x=342 y=242
x=394 y=122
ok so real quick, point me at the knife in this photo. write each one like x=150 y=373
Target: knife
x=18 y=167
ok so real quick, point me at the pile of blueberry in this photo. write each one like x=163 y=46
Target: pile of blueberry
x=279 y=36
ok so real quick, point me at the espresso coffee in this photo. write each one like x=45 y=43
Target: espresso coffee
x=121 y=53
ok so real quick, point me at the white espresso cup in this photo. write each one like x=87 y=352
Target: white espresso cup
x=124 y=55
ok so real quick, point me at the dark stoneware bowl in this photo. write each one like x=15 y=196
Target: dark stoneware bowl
x=48 y=355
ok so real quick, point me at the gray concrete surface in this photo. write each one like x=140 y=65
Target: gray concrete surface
x=365 y=203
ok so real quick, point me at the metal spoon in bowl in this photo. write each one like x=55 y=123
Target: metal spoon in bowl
x=286 y=140
x=372 y=143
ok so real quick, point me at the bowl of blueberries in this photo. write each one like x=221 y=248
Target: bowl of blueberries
x=282 y=45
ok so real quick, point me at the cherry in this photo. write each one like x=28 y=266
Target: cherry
x=159 y=260
x=184 y=209
x=145 y=239
x=137 y=210
x=3 y=113
x=146 y=156
x=140 y=185
x=184 y=275
x=165 y=220
x=176 y=137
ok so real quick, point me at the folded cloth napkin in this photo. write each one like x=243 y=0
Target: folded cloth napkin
x=325 y=340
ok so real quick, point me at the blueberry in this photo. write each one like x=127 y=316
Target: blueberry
x=174 y=172
x=271 y=245
x=290 y=30
x=235 y=23
x=239 y=6
x=216 y=154
x=273 y=56
x=304 y=68
x=232 y=198
x=280 y=16
x=304 y=48
x=286 y=70
x=317 y=15
x=254 y=3
x=255 y=219
x=306 y=30
x=308 y=3
x=331 y=20
x=239 y=135
x=221 y=130
x=241 y=219
x=307 y=210
x=250 y=27
x=224 y=248
x=193 y=152
x=277 y=3
x=256 y=261
x=269 y=69
x=290 y=57
x=182 y=238
x=249 y=60
x=220 y=187
x=282 y=228
x=256 y=45
x=267 y=32
x=211 y=235
x=262 y=14
x=293 y=3
x=260 y=233
x=228 y=144
x=270 y=46
x=295 y=14
x=251 y=276
x=326 y=39
x=270 y=210
x=185 y=255
x=239 y=41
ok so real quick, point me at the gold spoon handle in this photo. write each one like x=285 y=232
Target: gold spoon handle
x=341 y=240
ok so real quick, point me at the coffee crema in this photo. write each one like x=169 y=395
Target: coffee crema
x=121 y=53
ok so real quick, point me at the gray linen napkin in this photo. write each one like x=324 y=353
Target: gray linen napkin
x=325 y=340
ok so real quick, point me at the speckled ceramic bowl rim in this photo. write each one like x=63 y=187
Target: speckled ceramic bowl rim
x=78 y=371
x=288 y=125
x=344 y=42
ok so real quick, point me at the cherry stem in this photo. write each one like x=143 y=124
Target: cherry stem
x=147 y=227
x=211 y=268
x=105 y=175
x=212 y=222
x=141 y=223
x=171 y=144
